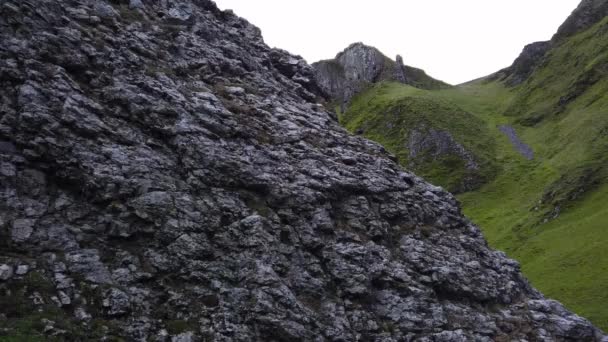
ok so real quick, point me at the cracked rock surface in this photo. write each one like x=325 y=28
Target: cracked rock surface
x=166 y=176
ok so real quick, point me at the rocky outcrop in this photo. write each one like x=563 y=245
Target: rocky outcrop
x=529 y=59
x=399 y=72
x=435 y=138
x=167 y=176
x=359 y=66
x=437 y=144
x=587 y=14
x=428 y=145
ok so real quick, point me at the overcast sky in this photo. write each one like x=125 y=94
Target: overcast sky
x=453 y=40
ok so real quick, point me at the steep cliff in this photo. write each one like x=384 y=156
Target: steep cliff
x=359 y=66
x=167 y=176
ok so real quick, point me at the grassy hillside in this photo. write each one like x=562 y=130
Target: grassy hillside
x=550 y=213
x=576 y=68
x=391 y=113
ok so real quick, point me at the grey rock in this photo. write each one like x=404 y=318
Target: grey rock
x=428 y=145
x=7 y=169
x=399 y=72
x=181 y=11
x=104 y=10
x=116 y=302
x=184 y=337
x=235 y=90
x=525 y=64
x=7 y=147
x=22 y=229
x=62 y=281
x=88 y=263
x=48 y=325
x=450 y=336
x=162 y=336
x=123 y=276
x=437 y=144
x=243 y=215
x=81 y=314
x=22 y=270
x=6 y=272
x=588 y=13
x=136 y=4
x=360 y=66
x=37 y=299
x=524 y=149
x=64 y=299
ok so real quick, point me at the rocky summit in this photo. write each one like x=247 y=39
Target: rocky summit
x=359 y=66
x=166 y=176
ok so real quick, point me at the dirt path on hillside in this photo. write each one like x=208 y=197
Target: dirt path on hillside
x=524 y=149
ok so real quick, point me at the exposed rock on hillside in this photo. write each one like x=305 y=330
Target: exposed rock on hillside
x=588 y=13
x=360 y=65
x=531 y=57
x=522 y=148
x=430 y=144
x=434 y=138
x=167 y=176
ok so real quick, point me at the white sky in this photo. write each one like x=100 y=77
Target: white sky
x=453 y=40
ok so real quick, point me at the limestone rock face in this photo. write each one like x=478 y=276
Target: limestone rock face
x=167 y=176
x=359 y=66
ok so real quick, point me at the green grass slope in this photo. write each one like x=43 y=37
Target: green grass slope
x=576 y=67
x=549 y=213
x=552 y=213
x=390 y=113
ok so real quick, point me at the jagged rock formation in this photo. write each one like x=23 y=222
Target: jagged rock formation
x=167 y=176
x=359 y=66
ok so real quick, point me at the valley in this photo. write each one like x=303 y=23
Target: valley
x=540 y=190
